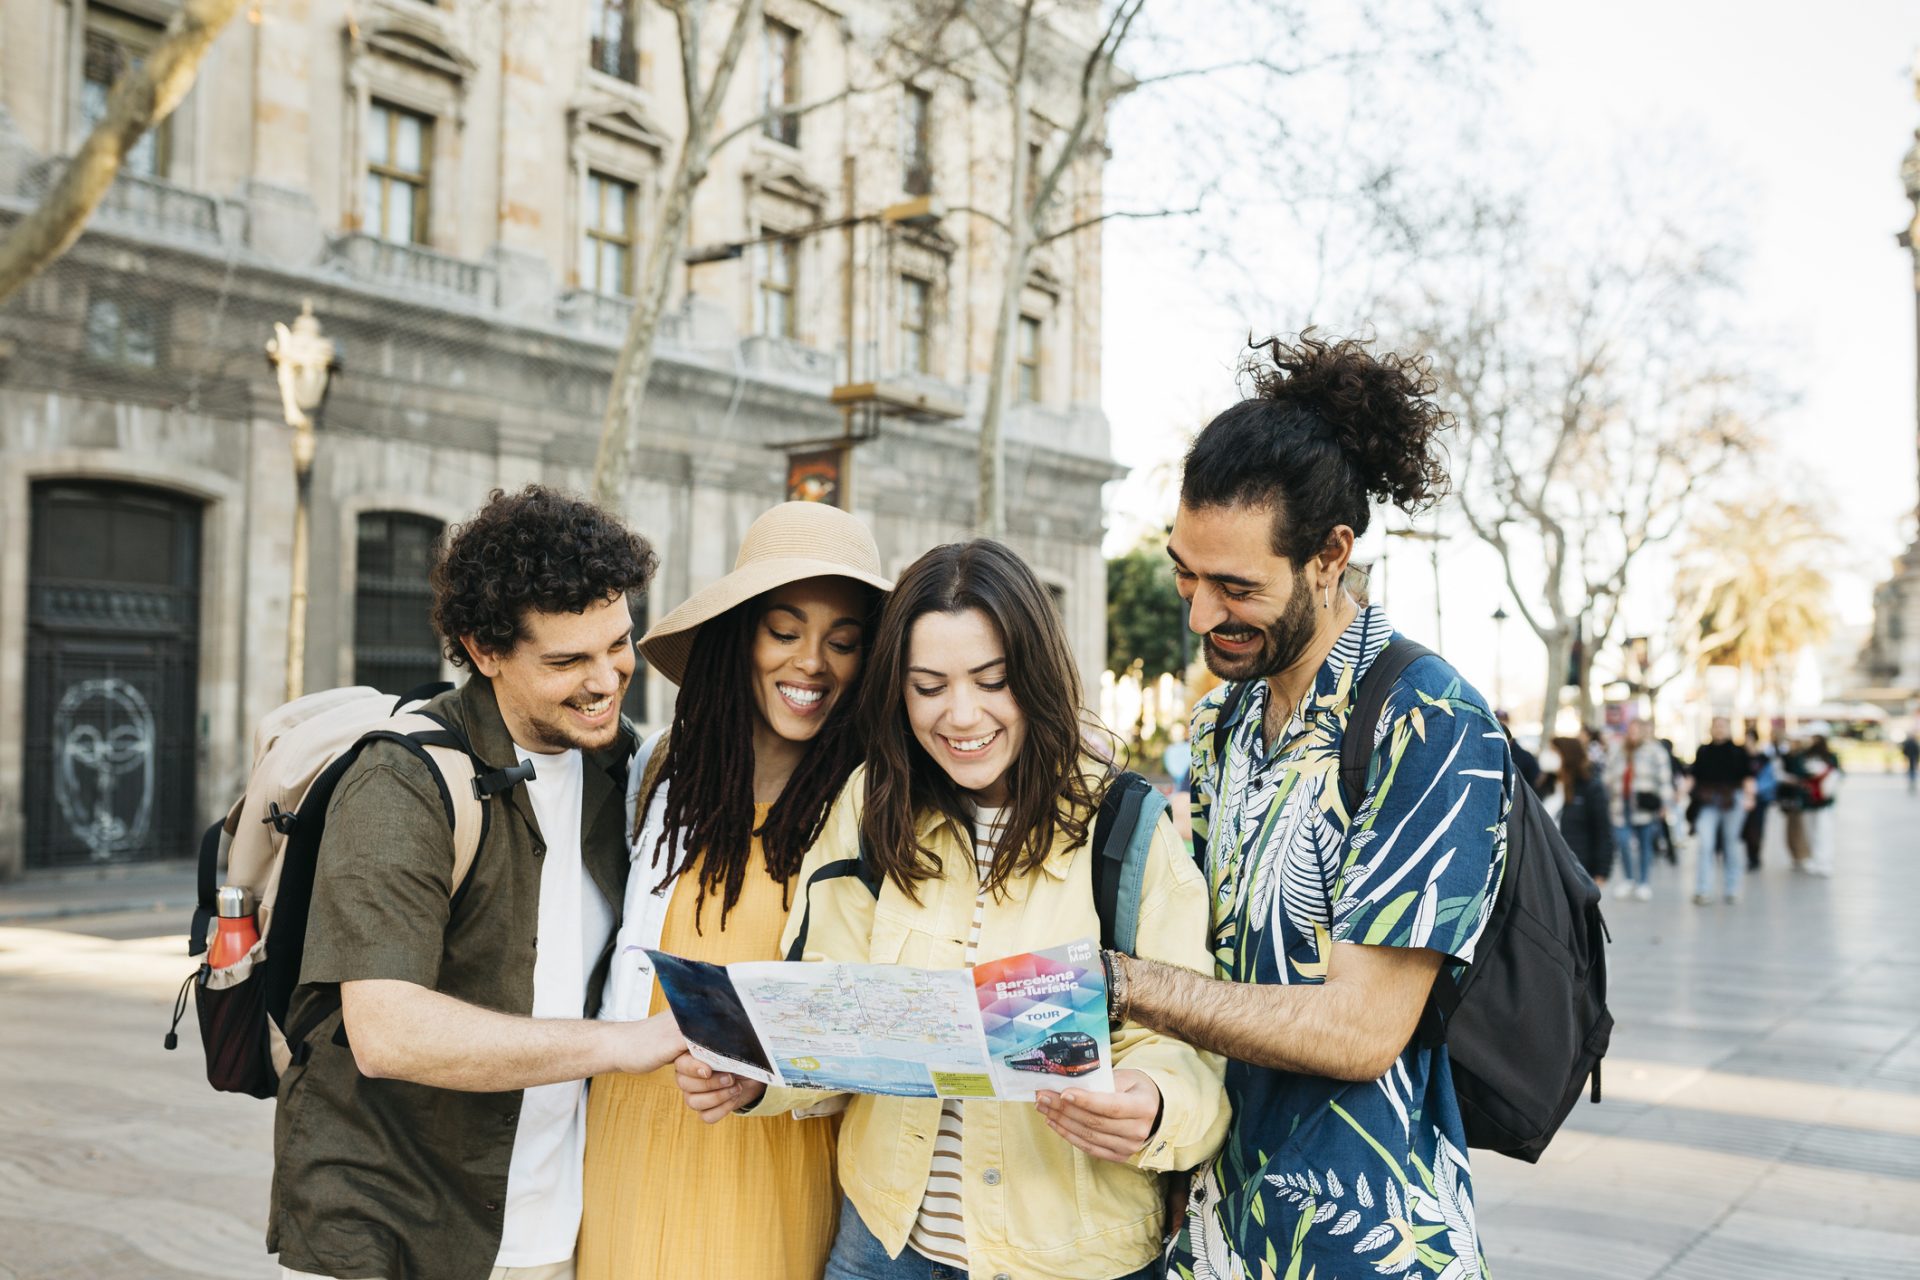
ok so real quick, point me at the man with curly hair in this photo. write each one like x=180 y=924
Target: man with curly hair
x=1347 y=1153
x=432 y=1123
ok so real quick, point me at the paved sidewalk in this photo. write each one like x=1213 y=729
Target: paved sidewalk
x=1762 y=1117
x=1762 y=1097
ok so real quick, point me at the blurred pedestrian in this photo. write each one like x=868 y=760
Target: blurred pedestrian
x=1723 y=790
x=1791 y=798
x=1583 y=816
x=1639 y=780
x=1910 y=748
x=1178 y=759
x=1820 y=783
x=1766 y=780
x=1523 y=760
x=1667 y=841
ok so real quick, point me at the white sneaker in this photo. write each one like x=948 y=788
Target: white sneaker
x=1623 y=890
x=1644 y=892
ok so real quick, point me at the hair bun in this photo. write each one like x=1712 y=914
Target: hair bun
x=1379 y=409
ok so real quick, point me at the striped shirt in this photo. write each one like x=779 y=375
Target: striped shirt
x=939 y=1232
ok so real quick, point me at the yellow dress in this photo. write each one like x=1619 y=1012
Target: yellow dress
x=669 y=1196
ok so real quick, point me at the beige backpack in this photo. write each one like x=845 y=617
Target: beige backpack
x=300 y=752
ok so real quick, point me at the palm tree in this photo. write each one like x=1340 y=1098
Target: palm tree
x=1751 y=591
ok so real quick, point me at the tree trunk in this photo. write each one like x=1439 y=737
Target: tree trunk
x=992 y=514
x=1559 y=647
x=993 y=444
x=142 y=98
x=627 y=397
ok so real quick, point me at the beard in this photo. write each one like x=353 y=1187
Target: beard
x=557 y=733
x=1282 y=641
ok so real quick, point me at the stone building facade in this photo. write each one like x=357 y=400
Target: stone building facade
x=1889 y=665
x=462 y=190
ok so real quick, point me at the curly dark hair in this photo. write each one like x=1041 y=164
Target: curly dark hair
x=1329 y=426
x=709 y=811
x=536 y=549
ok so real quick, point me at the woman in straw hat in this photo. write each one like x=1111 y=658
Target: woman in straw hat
x=768 y=660
x=975 y=806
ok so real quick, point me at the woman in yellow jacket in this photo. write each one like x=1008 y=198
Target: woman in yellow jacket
x=976 y=801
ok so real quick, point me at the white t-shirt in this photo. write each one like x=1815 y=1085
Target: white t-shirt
x=542 y=1218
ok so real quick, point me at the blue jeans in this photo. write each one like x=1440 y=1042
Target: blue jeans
x=1719 y=830
x=1636 y=849
x=857 y=1255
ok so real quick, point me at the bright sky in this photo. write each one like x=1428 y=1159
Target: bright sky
x=1807 y=113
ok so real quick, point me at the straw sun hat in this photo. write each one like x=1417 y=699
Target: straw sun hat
x=792 y=542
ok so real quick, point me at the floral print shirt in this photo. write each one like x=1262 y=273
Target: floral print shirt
x=1323 y=1178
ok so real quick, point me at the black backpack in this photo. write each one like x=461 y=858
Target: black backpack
x=1526 y=1024
x=1122 y=835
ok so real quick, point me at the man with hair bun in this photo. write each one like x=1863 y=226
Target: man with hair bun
x=1347 y=1154
x=431 y=1125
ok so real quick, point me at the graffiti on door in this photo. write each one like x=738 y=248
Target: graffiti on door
x=104 y=754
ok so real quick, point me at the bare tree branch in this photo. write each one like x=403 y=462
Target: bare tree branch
x=142 y=97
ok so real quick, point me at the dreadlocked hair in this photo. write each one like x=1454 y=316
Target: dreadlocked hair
x=709 y=812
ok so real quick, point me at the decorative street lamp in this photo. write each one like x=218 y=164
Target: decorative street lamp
x=303 y=364
x=1500 y=655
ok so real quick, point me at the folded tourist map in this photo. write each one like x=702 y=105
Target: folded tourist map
x=1004 y=1029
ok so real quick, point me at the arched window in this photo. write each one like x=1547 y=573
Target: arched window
x=394 y=644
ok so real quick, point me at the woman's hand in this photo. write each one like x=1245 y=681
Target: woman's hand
x=1111 y=1126
x=714 y=1095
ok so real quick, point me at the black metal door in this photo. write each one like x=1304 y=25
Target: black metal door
x=113 y=615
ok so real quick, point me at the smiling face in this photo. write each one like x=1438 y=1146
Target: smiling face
x=806 y=653
x=561 y=686
x=959 y=704
x=1254 y=607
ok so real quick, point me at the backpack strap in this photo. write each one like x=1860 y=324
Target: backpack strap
x=1369 y=704
x=860 y=868
x=456 y=772
x=1122 y=838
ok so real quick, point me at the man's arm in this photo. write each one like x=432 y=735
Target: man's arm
x=403 y=1031
x=1350 y=1027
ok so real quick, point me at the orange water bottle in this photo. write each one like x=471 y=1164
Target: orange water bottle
x=234 y=931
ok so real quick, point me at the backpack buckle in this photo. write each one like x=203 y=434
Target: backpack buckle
x=488 y=785
x=279 y=819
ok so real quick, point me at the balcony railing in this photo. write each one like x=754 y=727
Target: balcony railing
x=607 y=315
x=783 y=357
x=604 y=315
x=151 y=206
x=411 y=269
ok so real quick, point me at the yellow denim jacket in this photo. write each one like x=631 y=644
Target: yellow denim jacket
x=1035 y=1206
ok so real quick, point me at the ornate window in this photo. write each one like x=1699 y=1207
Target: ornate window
x=916 y=325
x=782 y=86
x=778 y=268
x=611 y=47
x=607 y=234
x=116 y=44
x=123 y=331
x=917 y=142
x=399 y=173
x=395 y=646
x=1029 y=355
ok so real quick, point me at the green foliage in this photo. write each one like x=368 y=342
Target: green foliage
x=1145 y=615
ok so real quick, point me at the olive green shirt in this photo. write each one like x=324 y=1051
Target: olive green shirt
x=384 y=1178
